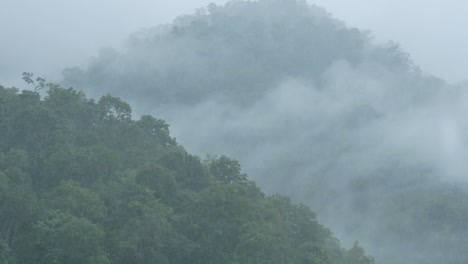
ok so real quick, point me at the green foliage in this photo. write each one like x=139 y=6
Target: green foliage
x=81 y=182
x=235 y=55
x=189 y=170
x=38 y=84
x=112 y=108
x=356 y=255
x=6 y=256
x=63 y=238
x=80 y=202
x=157 y=128
x=159 y=179
x=18 y=205
x=225 y=169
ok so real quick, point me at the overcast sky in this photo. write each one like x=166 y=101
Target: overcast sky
x=48 y=35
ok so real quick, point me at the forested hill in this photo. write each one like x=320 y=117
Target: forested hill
x=235 y=52
x=82 y=182
x=314 y=109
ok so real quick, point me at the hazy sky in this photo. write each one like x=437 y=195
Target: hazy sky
x=46 y=36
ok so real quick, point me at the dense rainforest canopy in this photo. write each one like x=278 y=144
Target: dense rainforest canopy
x=82 y=182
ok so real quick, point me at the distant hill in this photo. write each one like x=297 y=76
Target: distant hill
x=313 y=109
x=237 y=52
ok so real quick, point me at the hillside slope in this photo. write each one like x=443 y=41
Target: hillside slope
x=82 y=182
x=313 y=109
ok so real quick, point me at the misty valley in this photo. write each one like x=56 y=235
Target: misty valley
x=250 y=132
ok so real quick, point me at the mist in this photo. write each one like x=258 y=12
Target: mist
x=47 y=36
x=63 y=34
x=349 y=135
x=365 y=135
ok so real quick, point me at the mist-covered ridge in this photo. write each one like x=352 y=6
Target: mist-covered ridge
x=313 y=109
x=236 y=52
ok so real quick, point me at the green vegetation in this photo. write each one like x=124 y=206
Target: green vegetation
x=82 y=182
x=350 y=127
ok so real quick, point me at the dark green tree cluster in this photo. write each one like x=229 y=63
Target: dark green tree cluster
x=82 y=182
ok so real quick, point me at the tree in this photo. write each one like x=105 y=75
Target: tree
x=112 y=108
x=225 y=169
x=6 y=254
x=159 y=179
x=156 y=128
x=63 y=238
x=356 y=255
x=75 y=200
